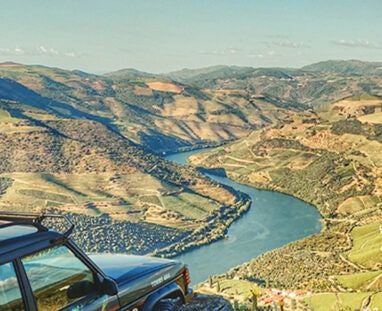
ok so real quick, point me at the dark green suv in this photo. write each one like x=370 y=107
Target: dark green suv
x=41 y=269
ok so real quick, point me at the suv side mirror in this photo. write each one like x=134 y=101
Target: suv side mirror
x=80 y=289
x=83 y=288
x=108 y=287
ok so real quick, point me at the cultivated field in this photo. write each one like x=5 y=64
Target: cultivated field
x=330 y=158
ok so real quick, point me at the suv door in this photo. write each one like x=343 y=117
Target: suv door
x=61 y=281
x=10 y=292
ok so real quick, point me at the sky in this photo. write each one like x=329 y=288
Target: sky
x=164 y=35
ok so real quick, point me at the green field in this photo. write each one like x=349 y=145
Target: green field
x=358 y=281
x=237 y=287
x=189 y=205
x=367 y=241
x=376 y=301
x=124 y=197
x=342 y=301
x=5 y=116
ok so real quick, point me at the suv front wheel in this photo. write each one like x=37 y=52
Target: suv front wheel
x=167 y=304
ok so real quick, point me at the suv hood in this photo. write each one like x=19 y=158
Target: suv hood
x=129 y=267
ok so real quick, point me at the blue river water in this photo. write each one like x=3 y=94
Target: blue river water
x=273 y=220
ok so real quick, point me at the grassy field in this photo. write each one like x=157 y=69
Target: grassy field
x=367 y=241
x=5 y=116
x=373 y=118
x=360 y=281
x=334 y=302
x=353 y=107
x=188 y=205
x=9 y=124
x=376 y=301
x=124 y=197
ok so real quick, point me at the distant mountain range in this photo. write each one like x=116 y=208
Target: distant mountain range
x=187 y=108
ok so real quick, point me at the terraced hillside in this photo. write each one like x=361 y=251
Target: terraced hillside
x=77 y=143
x=152 y=111
x=81 y=167
x=189 y=108
x=330 y=157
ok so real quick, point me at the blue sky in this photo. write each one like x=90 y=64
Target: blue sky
x=163 y=35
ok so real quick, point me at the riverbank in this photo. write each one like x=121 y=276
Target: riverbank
x=273 y=220
x=335 y=166
x=195 y=147
x=215 y=229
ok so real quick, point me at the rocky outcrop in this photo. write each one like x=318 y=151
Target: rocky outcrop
x=207 y=303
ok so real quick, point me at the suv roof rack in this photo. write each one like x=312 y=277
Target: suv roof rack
x=34 y=219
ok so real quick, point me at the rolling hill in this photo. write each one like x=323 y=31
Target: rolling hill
x=82 y=167
x=188 y=108
x=85 y=144
x=331 y=158
x=155 y=112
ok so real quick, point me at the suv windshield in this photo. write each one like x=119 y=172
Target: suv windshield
x=52 y=273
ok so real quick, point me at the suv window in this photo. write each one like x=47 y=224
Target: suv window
x=10 y=294
x=52 y=274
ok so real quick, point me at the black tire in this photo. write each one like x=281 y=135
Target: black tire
x=164 y=305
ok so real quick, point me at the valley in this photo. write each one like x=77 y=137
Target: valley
x=81 y=167
x=330 y=158
x=92 y=146
x=273 y=220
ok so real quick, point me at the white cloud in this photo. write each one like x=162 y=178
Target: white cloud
x=233 y=50
x=227 y=51
x=12 y=51
x=278 y=36
x=71 y=54
x=295 y=45
x=50 y=51
x=270 y=54
x=41 y=50
x=358 y=44
x=18 y=50
x=287 y=43
x=256 y=55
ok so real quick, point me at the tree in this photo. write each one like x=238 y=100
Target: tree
x=255 y=293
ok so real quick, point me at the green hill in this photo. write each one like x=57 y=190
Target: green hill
x=329 y=157
x=82 y=167
x=348 y=67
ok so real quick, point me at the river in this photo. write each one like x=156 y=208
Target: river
x=273 y=220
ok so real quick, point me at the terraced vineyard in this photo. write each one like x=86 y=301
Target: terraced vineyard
x=330 y=158
x=124 y=199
